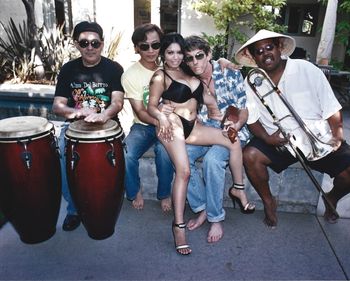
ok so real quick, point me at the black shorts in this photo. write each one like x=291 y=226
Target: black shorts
x=332 y=164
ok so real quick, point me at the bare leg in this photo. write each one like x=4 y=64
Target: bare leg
x=255 y=164
x=236 y=167
x=138 y=202
x=178 y=155
x=166 y=204
x=198 y=221
x=340 y=189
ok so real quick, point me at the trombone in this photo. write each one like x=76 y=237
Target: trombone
x=319 y=149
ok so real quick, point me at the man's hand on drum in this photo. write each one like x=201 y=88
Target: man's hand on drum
x=83 y=112
x=96 y=118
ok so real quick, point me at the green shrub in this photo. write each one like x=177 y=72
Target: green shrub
x=56 y=48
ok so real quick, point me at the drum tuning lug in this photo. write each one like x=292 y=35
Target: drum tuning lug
x=111 y=158
x=75 y=160
x=26 y=156
x=55 y=145
x=27 y=159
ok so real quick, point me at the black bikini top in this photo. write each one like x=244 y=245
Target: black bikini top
x=180 y=93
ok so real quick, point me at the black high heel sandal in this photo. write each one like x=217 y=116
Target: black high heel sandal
x=249 y=208
x=180 y=247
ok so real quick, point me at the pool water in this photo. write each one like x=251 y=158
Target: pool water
x=24 y=107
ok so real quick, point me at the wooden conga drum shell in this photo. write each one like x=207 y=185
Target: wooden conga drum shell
x=96 y=185
x=30 y=191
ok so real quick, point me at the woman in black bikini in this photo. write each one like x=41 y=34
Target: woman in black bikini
x=173 y=86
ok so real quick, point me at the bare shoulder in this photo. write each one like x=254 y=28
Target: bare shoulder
x=157 y=77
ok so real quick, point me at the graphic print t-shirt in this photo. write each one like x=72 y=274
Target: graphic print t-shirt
x=89 y=86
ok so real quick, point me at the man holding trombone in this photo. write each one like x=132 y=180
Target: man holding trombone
x=294 y=116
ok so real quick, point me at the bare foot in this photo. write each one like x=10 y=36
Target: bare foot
x=270 y=219
x=216 y=232
x=138 y=202
x=329 y=215
x=197 y=222
x=166 y=204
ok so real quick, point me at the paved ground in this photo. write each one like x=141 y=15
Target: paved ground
x=303 y=247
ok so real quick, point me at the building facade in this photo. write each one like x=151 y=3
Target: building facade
x=304 y=19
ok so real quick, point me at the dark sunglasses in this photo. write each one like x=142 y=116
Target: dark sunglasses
x=145 y=46
x=267 y=48
x=85 y=43
x=198 y=56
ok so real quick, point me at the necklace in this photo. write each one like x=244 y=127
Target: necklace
x=207 y=85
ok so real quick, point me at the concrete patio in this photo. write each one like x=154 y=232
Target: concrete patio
x=303 y=247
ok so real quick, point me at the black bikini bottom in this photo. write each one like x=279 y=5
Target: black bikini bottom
x=187 y=125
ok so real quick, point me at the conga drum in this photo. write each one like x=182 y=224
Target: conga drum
x=95 y=171
x=30 y=177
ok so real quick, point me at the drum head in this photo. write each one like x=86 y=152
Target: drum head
x=23 y=126
x=91 y=131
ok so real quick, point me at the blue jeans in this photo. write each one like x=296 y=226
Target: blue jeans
x=139 y=140
x=71 y=209
x=206 y=193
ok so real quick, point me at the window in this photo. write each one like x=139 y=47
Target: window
x=142 y=12
x=300 y=19
x=169 y=15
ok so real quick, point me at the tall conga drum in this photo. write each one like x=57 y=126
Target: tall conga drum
x=95 y=171
x=30 y=177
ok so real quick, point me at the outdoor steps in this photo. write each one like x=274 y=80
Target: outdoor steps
x=293 y=189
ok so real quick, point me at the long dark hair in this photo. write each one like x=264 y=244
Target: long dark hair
x=169 y=39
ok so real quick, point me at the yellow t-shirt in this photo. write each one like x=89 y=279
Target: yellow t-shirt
x=135 y=81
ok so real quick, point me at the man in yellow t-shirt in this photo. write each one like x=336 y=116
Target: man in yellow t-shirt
x=135 y=80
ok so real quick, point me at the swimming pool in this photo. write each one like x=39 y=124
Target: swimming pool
x=14 y=104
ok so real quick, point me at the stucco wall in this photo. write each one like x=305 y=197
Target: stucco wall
x=11 y=9
x=15 y=9
x=194 y=23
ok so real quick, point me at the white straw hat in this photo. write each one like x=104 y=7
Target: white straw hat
x=244 y=57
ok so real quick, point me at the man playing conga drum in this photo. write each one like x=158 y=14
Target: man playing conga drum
x=88 y=88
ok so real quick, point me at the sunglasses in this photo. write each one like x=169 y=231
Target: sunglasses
x=198 y=56
x=267 y=48
x=85 y=43
x=145 y=46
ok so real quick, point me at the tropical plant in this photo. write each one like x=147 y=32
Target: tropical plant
x=343 y=26
x=218 y=44
x=231 y=15
x=19 y=56
x=56 y=48
x=17 y=42
x=112 y=50
x=342 y=32
x=16 y=51
x=23 y=68
x=3 y=74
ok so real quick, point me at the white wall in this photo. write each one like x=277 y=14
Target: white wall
x=15 y=9
x=194 y=23
x=11 y=9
